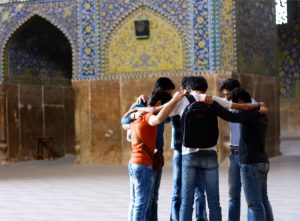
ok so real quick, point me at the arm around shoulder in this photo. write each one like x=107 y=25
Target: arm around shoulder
x=166 y=110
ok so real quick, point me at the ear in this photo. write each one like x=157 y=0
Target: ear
x=240 y=101
x=158 y=103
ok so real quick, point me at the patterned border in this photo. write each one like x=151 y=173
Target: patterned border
x=234 y=35
x=203 y=30
x=215 y=36
x=176 y=73
x=88 y=38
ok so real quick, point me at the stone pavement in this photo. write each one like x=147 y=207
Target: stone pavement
x=61 y=191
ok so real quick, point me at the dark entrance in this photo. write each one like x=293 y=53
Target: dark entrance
x=39 y=99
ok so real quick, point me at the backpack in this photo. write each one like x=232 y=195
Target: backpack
x=199 y=125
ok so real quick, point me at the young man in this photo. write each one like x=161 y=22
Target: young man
x=200 y=165
x=253 y=159
x=167 y=85
x=176 y=144
x=234 y=177
x=144 y=130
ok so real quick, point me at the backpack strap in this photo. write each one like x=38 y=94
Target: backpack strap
x=190 y=98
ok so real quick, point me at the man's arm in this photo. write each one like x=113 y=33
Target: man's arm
x=128 y=117
x=228 y=115
x=231 y=105
x=263 y=108
x=240 y=117
x=166 y=110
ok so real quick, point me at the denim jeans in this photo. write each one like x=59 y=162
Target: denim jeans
x=235 y=185
x=254 y=180
x=152 y=209
x=141 y=179
x=176 y=198
x=200 y=200
x=199 y=170
x=200 y=203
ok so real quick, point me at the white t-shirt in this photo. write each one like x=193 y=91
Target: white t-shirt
x=183 y=103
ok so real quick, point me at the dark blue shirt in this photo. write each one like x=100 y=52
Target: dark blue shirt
x=176 y=133
x=253 y=133
x=160 y=128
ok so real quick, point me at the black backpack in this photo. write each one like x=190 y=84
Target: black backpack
x=199 y=125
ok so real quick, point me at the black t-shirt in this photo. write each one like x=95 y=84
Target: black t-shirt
x=253 y=133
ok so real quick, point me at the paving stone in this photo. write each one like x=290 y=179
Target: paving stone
x=61 y=191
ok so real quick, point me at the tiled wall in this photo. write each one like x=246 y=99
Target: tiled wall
x=255 y=36
x=288 y=70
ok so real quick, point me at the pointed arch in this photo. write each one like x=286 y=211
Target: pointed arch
x=175 y=34
x=20 y=23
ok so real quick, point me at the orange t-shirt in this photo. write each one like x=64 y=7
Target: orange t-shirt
x=147 y=134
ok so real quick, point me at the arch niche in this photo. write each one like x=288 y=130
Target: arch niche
x=163 y=51
x=39 y=95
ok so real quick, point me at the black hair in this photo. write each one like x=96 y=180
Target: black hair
x=197 y=83
x=163 y=83
x=242 y=94
x=230 y=84
x=159 y=95
x=184 y=82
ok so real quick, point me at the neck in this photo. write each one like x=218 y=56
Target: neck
x=197 y=92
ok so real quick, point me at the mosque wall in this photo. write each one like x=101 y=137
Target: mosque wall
x=255 y=36
x=288 y=70
x=110 y=66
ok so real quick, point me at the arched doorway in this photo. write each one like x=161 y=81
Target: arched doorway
x=39 y=95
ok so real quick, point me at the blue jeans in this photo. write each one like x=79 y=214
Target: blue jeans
x=200 y=201
x=141 y=179
x=152 y=209
x=235 y=185
x=254 y=180
x=199 y=170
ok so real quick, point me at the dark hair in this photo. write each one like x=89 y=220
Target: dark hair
x=185 y=81
x=163 y=83
x=230 y=84
x=242 y=94
x=197 y=83
x=159 y=95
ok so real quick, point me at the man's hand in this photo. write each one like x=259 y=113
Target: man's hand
x=178 y=95
x=136 y=115
x=142 y=99
x=263 y=108
x=207 y=99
